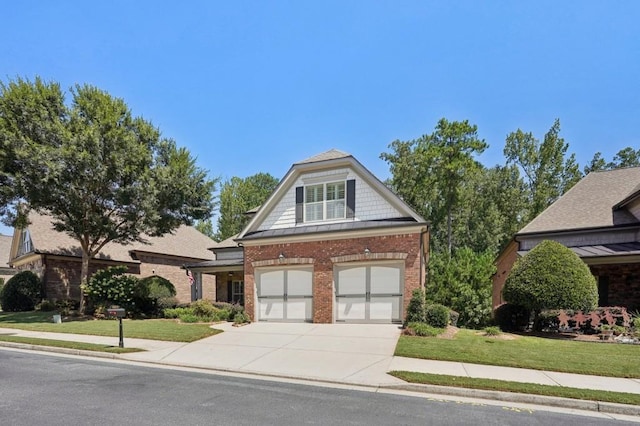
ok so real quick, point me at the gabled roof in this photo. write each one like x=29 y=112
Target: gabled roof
x=5 y=250
x=590 y=203
x=327 y=160
x=186 y=242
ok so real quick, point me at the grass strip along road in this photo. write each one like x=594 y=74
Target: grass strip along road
x=527 y=388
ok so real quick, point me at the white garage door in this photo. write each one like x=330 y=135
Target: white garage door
x=285 y=294
x=369 y=293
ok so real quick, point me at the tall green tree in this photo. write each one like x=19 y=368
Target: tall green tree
x=429 y=172
x=493 y=205
x=626 y=157
x=237 y=197
x=102 y=174
x=548 y=171
x=462 y=282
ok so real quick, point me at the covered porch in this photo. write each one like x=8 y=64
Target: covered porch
x=229 y=278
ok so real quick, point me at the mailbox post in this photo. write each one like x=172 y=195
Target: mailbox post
x=118 y=313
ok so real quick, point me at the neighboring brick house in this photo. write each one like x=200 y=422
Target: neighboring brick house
x=331 y=244
x=6 y=272
x=56 y=258
x=599 y=219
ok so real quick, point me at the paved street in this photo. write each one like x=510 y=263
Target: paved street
x=43 y=389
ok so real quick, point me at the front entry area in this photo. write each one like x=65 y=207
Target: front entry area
x=284 y=294
x=369 y=293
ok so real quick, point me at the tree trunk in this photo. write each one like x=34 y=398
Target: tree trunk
x=84 y=275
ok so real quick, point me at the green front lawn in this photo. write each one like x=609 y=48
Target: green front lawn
x=600 y=359
x=68 y=345
x=517 y=387
x=154 y=329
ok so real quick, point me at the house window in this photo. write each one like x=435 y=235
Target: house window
x=325 y=201
x=237 y=292
x=26 y=246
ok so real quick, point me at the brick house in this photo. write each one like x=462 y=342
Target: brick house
x=599 y=219
x=331 y=244
x=57 y=259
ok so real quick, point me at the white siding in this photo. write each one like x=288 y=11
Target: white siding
x=370 y=205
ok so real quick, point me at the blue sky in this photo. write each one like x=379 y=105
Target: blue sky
x=253 y=86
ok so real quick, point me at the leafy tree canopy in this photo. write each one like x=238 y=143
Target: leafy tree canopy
x=547 y=170
x=102 y=174
x=429 y=172
x=237 y=197
x=626 y=157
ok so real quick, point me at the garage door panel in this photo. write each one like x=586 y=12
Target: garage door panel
x=385 y=280
x=384 y=308
x=352 y=280
x=299 y=283
x=299 y=309
x=271 y=283
x=285 y=294
x=271 y=309
x=352 y=308
x=369 y=293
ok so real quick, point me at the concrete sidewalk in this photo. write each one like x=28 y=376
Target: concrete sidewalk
x=349 y=354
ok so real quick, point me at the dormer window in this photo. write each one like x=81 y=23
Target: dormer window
x=325 y=201
x=335 y=200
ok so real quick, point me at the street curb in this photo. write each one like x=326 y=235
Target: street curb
x=66 y=351
x=577 y=404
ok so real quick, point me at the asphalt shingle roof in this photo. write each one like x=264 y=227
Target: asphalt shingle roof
x=589 y=204
x=186 y=241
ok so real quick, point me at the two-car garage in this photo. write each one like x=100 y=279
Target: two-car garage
x=368 y=292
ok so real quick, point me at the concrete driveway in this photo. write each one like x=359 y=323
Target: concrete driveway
x=354 y=353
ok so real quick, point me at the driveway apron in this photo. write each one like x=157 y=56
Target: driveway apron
x=354 y=353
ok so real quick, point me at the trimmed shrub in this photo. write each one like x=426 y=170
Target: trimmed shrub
x=46 y=306
x=423 y=330
x=21 y=292
x=66 y=306
x=415 y=310
x=173 y=313
x=437 y=315
x=111 y=286
x=510 y=317
x=241 y=318
x=189 y=318
x=453 y=318
x=492 y=331
x=148 y=293
x=204 y=309
x=551 y=276
x=166 y=302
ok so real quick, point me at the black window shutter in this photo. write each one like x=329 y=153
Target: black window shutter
x=351 y=199
x=299 y=204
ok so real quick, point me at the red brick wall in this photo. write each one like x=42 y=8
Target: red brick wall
x=321 y=253
x=61 y=276
x=624 y=283
x=170 y=268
